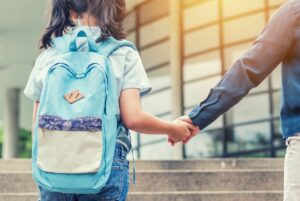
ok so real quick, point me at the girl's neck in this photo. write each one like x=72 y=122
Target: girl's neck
x=88 y=20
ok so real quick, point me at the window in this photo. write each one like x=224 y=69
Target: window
x=247 y=130
x=154 y=31
x=150 y=103
x=206 y=144
x=200 y=14
x=276 y=2
x=233 y=53
x=155 y=55
x=238 y=7
x=244 y=28
x=160 y=78
x=130 y=21
x=132 y=37
x=197 y=91
x=202 y=66
x=201 y=40
x=250 y=137
x=152 y=10
x=251 y=108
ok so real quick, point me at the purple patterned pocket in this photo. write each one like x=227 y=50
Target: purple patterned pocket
x=50 y=122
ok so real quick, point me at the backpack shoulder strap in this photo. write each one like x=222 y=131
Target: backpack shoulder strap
x=110 y=44
x=106 y=48
x=61 y=44
x=74 y=43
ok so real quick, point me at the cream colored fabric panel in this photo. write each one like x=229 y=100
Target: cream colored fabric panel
x=69 y=151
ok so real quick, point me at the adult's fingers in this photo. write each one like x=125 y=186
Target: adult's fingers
x=188 y=139
x=195 y=131
x=191 y=126
x=187 y=122
x=186 y=119
x=193 y=134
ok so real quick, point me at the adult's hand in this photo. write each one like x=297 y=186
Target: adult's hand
x=187 y=122
x=193 y=130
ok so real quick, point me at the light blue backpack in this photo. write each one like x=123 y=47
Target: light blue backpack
x=78 y=117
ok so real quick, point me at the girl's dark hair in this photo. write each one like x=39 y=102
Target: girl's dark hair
x=109 y=15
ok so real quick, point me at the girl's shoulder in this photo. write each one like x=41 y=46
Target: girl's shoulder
x=45 y=57
x=127 y=52
x=46 y=53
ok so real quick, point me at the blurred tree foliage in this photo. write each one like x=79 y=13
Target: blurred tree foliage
x=1 y=141
x=24 y=143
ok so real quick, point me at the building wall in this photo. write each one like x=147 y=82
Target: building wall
x=215 y=34
x=21 y=24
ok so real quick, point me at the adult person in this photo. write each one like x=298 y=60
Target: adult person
x=278 y=42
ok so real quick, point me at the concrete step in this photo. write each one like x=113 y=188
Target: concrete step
x=174 y=180
x=211 y=164
x=213 y=180
x=18 y=196
x=208 y=196
x=178 y=196
x=15 y=165
x=205 y=164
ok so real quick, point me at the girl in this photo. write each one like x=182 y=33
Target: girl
x=101 y=19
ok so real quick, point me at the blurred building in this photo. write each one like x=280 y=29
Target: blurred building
x=213 y=35
x=186 y=47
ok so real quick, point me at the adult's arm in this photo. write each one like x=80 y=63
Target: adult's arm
x=268 y=50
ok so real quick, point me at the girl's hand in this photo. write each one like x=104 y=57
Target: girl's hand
x=192 y=129
x=179 y=132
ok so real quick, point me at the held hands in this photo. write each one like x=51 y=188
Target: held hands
x=184 y=130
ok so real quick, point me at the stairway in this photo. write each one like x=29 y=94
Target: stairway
x=199 y=180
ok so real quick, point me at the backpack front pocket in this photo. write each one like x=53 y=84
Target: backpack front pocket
x=69 y=151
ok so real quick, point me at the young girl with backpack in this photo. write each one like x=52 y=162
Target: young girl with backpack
x=63 y=86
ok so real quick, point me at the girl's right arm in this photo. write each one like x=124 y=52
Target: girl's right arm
x=137 y=120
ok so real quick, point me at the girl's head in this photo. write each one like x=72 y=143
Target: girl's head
x=108 y=15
